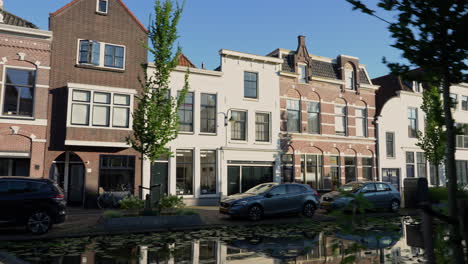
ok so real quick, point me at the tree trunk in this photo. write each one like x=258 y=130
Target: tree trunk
x=450 y=170
x=437 y=179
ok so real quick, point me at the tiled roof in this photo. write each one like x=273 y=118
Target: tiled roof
x=325 y=69
x=321 y=69
x=184 y=61
x=10 y=19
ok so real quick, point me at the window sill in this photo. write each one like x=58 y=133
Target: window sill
x=101 y=13
x=250 y=99
x=262 y=143
x=186 y=133
x=98 y=127
x=99 y=68
x=237 y=141
x=18 y=117
x=207 y=134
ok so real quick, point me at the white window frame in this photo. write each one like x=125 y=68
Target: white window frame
x=246 y=126
x=107 y=7
x=269 y=127
x=102 y=50
x=364 y=119
x=2 y=94
x=92 y=89
x=302 y=70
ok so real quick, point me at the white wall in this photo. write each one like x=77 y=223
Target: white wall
x=460 y=116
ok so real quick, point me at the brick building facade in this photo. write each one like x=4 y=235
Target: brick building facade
x=97 y=53
x=24 y=82
x=327 y=119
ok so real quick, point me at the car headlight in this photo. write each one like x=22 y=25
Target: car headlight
x=240 y=203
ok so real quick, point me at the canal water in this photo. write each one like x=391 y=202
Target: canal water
x=398 y=242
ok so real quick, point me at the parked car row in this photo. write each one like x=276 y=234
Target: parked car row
x=274 y=198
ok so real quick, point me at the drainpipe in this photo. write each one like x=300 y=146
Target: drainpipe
x=377 y=154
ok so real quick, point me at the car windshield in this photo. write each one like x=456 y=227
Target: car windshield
x=351 y=187
x=261 y=188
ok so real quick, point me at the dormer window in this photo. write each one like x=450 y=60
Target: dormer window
x=102 y=6
x=350 y=77
x=302 y=68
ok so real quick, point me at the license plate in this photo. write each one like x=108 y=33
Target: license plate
x=325 y=204
x=223 y=210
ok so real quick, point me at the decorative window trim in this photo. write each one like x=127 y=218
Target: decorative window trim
x=107 y=7
x=112 y=92
x=3 y=87
x=102 y=51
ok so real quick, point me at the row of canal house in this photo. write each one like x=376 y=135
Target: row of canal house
x=67 y=97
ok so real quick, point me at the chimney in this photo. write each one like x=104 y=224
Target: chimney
x=300 y=40
x=1 y=11
x=202 y=64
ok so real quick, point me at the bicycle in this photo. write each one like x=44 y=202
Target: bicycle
x=111 y=199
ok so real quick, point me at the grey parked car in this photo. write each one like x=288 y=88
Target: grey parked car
x=270 y=199
x=382 y=195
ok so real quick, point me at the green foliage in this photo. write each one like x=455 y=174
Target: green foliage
x=171 y=201
x=112 y=214
x=439 y=194
x=432 y=141
x=131 y=202
x=156 y=120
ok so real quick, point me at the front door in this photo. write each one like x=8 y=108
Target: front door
x=233 y=179
x=76 y=184
x=159 y=175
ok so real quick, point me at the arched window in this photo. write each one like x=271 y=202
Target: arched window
x=350 y=77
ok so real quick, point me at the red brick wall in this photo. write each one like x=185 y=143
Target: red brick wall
x=327 y=143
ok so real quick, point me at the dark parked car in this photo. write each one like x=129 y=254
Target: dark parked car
x=271 y=198
x=382 y=195
x=35 y=203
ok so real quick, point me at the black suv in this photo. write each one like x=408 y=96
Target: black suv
x=35 y=203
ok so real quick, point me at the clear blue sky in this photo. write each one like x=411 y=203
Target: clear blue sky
x=258 y=26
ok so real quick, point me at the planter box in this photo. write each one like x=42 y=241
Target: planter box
x=151 y=222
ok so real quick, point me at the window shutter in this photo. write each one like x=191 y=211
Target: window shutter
x=96 y=52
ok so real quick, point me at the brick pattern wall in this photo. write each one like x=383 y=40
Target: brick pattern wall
x=30 y=136
x=327 y=142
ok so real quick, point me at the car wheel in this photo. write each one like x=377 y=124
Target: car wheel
x=39 y=222
x=255 y=213
x=308 y=210
x=395 y=206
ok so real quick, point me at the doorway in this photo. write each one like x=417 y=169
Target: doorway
x=391 y=176
x=68 y=171
x=159 y=175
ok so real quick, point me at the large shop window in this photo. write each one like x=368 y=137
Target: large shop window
x=410 y=164
x=184 y=172
x=350 y=169
x=313 y=117
x=117 y=173
x=340 y=120
x=462 y=172
x=14 y=167
x=250 y=85
x=239 y=125
x=361 y=122
x=242 y=178
x=19 y=92
x=367 y=169
x=208 y=171
x=262 y=127
x=90 y=52
x=208 y=113
x=312 y=172
x=294 y=113
x=186 y=113
x=412 y=122
x=100 y=109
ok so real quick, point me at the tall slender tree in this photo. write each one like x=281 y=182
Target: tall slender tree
x=432 y=141
x=432 y=35
x=156 y=120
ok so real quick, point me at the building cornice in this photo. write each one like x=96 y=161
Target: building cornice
x=101 y=88
x=236 y=54
x=27 y=32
